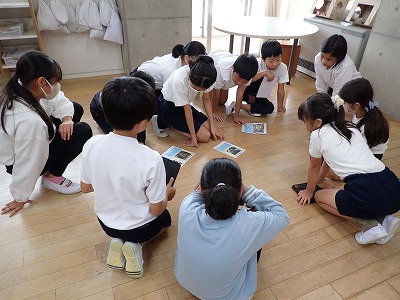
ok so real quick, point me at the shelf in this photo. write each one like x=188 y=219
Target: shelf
x=14 y=4
x=4 y=66
x=30 y=34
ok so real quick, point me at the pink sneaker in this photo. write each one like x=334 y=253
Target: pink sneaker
x=66 y=187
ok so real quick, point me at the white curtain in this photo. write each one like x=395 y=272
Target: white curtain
x=289 y=9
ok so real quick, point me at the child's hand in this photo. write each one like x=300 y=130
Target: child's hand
x=218 y=117
x=270 y=76
x=14 y=206
x=215 y=134
x=237 y=120
x=281 y=109
x=304 y=197
x=192 y=143
x=170 y=189
x=66 y=128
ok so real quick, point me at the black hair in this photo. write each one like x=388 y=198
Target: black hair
x=193 y=48
x=145 y=76
x=202 y=71
x=221 y=183
x=246 y=66
x=336 y=46
x=127 y=101
x=376 y=127
x=320 y=106
x=31 y=65
x=271 y=48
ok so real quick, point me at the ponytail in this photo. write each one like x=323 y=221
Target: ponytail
x=221 y=184
x=376 y=127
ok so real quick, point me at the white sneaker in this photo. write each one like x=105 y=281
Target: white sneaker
x=391 y=224
x=371 y=236
x=256 y=115
x=66 y=187
x=159 y=132
x=229 y=109
x=134 y=259
x=115 y=258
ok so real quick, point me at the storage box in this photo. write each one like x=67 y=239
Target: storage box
x=11 y=28
x=11 y=55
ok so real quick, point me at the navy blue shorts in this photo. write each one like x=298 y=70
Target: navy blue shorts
x=369 y=196
x=174 y=116
x=141 y=234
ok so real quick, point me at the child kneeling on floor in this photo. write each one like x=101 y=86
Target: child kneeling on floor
x=128 y=178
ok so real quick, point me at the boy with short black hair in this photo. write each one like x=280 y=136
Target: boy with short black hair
x=96 y=108
x=271 y=70
x=232 y=70
x=128 y=178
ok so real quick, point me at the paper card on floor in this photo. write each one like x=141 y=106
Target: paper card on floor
x=229 y=149
x=255 y=128
x=178 y=154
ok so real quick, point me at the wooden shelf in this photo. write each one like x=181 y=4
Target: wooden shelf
x=24 y=10
x=14 y=4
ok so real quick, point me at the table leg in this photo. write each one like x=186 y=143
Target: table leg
x=246 y=45
x=231 y=43
x=292 y=58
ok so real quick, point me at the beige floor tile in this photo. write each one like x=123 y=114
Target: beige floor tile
x=380 y=291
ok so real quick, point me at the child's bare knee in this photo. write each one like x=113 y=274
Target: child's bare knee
x=204 y=137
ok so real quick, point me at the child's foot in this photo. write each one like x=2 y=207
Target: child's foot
x=230 y=108
x=134 y=259
x=159 y=132
x=256 y=114
x=61 y=185
x=115 y=258
x=372 y=235
x=391 y=224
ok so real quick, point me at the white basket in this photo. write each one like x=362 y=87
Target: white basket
x=11 y=28
x=11 y=55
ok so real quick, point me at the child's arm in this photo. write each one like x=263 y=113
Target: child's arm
x=305 y=196
x=280 y=96
x=190 y=124
x=214 y=96
x=270 y=76
x=239 y=97
x=208 y=107
x=86 y=188
x=157 y=209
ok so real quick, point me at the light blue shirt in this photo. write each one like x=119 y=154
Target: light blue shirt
x=217 y=259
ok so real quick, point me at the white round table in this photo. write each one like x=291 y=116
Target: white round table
x=265 y=28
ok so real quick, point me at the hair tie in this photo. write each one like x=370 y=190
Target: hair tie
x=220 y=184
x=337 y=102
x=19 y=81
x=371 y=105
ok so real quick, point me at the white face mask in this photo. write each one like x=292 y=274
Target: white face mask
x=55 y=89
x=346 y=109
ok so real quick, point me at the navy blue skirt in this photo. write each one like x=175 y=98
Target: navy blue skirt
x=369 y=196
x=174 y=116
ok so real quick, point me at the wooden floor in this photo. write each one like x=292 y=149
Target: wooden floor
x=57 y=250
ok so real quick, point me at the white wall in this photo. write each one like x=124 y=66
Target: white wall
x=80 y=56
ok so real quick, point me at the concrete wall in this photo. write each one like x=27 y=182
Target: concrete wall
x=380 y=63
x=153 y=27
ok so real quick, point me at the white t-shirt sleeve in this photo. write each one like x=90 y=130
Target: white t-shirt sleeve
x=320 y=83
x=315 y=147
x=156 y=178
x=283 y=75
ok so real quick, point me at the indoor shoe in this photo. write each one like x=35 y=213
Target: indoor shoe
x=115 y=258
x=65 y=187
x=230 y=108
x=256 y=115
x=134 y=259
x=391 y=224
x=159 y=132
x=371 y=235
